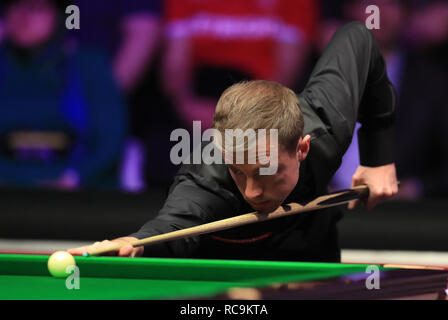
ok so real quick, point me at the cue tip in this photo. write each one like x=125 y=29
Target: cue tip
x=85 y=254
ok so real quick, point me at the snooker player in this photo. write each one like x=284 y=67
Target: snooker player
x=348 y=84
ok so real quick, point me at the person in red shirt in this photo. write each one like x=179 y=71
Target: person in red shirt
x=211 y=44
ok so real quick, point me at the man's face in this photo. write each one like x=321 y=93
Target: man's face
x=265 y=193
x=30 y=23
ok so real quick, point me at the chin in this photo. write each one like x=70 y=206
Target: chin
x=266 y=209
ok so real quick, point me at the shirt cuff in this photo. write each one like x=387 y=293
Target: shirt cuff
x=376 y=148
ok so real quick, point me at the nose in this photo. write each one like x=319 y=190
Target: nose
x=253 y=190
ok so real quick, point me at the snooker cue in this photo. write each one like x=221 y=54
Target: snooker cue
x=322 y=202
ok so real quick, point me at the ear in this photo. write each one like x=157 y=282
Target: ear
x=303 y=147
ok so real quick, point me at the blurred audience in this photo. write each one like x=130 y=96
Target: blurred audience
x=63 y=118
x=129 y=32
x=428 y=24
x=332 y=17
x=422 y=147
x=211 y=44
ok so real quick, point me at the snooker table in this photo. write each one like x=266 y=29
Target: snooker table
x=26 y=277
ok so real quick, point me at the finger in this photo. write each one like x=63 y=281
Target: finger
x=77 y=251
x=110 y=247
x=355 y=182
x=373 y=201
x=94 y=247
x=126 y=251
x=352 y=204
x=391 y=191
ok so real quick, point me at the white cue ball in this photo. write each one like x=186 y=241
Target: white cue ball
x=58 y=263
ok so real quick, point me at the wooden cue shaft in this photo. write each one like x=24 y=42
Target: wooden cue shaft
x=321 y=202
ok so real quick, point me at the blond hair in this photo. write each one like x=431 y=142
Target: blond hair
x=261 y=104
